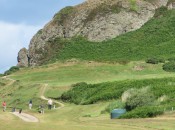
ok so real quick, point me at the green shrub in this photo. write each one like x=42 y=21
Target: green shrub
x=113 y=105
x=63 y=14
x=11 y=70
x=160 y=11
x=155 y=60
x=170 y=66
x=79 y=84
x=152 y=61
x=143 y=112
x=171 y=59
x=133 y=5
x=138 y=98
x=92 y=93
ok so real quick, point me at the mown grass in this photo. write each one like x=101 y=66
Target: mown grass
x=71 y=117
x=65 y=74
x=60 y=76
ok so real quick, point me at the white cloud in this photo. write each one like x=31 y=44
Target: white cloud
x=13 y=37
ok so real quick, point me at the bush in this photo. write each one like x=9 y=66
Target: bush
x=138 y=98
x=61 y=16
x=160 y=11
x=11 y=70
x=143 y=112
x=171 y=59
x=92 y=93
x=155 y=60
x=113 y=105
x=79 y=84
x=170 y=66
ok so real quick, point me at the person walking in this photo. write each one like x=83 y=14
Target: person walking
x=42 y=109
x=30 y=104
x=50 y=102
x=20 y=110
x=4 y=106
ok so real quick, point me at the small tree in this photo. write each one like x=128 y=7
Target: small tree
x=139 y=97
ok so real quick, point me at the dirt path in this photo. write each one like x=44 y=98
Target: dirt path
x=7 y=78
x=26 y=117
x=29 y=118
x=61 y=105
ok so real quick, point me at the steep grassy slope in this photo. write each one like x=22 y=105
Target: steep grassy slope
x=155 y=38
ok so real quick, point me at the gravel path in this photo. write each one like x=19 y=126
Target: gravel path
x=26 y=117
x=29 y=118
x=61 y=105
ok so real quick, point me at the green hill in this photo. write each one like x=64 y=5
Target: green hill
x=154 y=39
x=92 y=78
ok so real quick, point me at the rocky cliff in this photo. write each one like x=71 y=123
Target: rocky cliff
x=97 y=20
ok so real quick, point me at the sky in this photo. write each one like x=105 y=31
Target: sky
x=20 y=20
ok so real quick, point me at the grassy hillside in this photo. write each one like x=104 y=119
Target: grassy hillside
x=122 y=67
x=155 y=38
x=60 y=76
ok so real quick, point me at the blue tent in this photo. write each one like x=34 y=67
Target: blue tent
x=117 y=113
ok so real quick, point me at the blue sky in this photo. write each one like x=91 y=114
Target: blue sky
x=20 y=20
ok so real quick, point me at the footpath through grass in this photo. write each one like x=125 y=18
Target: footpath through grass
x=60 y=76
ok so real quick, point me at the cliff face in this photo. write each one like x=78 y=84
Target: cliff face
x=97 y=20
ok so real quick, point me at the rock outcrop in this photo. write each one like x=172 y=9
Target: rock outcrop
x=22 y=58
x=97 y=20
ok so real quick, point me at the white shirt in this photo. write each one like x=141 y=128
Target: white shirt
x=50 y=102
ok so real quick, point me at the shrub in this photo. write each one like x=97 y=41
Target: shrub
x=113 y=105
x=170 y=66
x=133 y=5
x=92 y=93
x=160 y=11
x=154 y=60
x=138 y=98
x=11 y=70
x=61 y=16
x=171 y=59
x=143 y=112
x=79 y=84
